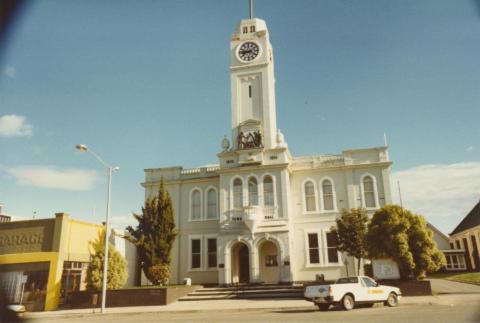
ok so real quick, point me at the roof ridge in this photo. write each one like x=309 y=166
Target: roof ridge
x=469 y=221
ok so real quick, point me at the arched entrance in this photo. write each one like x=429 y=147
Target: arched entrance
x=269 y=262
x=240 y=263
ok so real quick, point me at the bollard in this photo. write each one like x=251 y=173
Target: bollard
x=94 y=301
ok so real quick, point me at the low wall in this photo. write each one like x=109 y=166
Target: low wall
x=410 y=287
x=132 y=297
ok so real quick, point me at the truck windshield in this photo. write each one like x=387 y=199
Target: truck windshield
x=347 y=280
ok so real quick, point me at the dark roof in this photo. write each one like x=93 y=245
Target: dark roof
x=471 y=220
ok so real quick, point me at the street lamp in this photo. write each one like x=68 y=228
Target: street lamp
x=110 y=169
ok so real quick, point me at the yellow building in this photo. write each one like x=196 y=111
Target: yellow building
x=42 y=261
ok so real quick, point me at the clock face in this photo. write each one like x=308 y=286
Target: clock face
x=248 y=51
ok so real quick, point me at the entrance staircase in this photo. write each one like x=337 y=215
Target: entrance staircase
x=245 y=292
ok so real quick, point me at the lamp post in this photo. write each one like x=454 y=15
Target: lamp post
x=110 y=169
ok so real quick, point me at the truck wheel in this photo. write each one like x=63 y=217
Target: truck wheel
x=392 y=300
x=348 y=303
x=323 y=307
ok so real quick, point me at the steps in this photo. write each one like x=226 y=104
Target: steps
x=246 y=292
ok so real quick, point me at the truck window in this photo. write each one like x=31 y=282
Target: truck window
x=368 y=282
x=348 y=280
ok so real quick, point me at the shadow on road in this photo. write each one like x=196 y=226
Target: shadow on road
x=295 y=311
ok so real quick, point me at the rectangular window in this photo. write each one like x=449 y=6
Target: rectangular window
x=245 y=29
x=454 y=261
x=458 y=244
x=252 y=29
x=452 y=246
x=461 y=262
x=196 y=253
x=212 y=252
x=250 y=91
x=313 y=249
x=332 y=250
x=474 y=245
x=449 y=262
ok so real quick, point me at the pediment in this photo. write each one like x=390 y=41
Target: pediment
x=250 y=122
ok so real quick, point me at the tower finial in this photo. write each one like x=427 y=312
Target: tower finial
x=251 y=9
x=385 y=142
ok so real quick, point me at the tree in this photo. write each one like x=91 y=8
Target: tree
x=154 y=236
x=117 y=271
x=425 y=253
x=351 y=231
x=399 y=234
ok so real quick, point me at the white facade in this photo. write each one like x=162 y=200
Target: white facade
x=129 y=251
x=261 y=215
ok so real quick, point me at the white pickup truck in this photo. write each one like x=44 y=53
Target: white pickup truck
x=349 y=291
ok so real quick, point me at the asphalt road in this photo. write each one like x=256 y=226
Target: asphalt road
x=459 y=309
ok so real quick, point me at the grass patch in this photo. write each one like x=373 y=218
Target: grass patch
x=469 y=278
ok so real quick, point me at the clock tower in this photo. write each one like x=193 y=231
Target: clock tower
x=255 y=137
x=252 y=86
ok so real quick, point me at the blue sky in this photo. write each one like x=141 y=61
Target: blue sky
x=146 y=84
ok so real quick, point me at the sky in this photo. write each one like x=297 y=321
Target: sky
x=146 y=84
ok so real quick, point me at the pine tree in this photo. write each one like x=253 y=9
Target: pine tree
x=154 y=236
x=351 y=231
x=117 y=271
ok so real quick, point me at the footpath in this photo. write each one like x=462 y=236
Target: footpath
x=446 y=293
x=240 y=305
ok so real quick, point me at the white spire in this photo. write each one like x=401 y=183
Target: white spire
x=385 y=142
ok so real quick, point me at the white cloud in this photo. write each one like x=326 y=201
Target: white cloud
x=439 y=190
x=10 y=71
x=50 y=177
x=12 y=125
x=470 y=148
x=120 y=222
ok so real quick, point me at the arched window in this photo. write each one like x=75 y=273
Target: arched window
x=252 y=191
x=310 y=204
x=328 y=196
x=196 y=205
x=268 y=194
x=212 y=206
x=369 y=191
x=237 y=193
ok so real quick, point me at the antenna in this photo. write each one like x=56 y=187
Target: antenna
x=251 y=9
x=385 y=142
x=400 y=196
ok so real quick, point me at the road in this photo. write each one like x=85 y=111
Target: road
x=464 y=308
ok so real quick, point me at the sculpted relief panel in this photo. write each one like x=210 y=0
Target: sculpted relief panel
x=250 y=135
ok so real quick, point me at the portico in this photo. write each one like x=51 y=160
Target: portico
x=261 y=260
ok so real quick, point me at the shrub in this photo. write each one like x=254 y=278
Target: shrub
x=158 y=274
x=117 y=272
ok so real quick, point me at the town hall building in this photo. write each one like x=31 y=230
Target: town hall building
x=261 y=214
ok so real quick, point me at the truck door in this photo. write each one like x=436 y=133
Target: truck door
x=374 y=293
